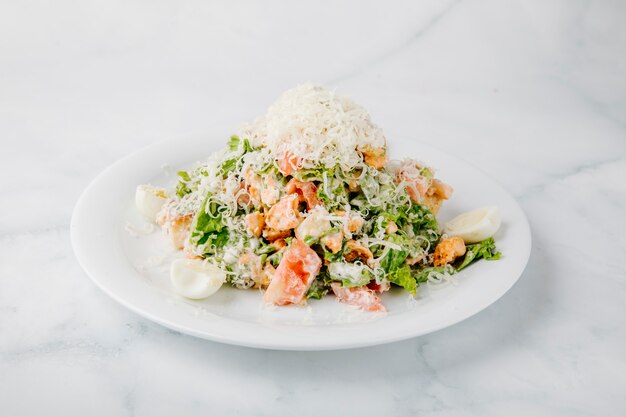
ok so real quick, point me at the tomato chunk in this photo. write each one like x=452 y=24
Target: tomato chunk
x=288 y=164
x=362 y=297
x=294 y=275
x=306 y=190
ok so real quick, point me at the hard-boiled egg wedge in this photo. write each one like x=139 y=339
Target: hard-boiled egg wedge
x=195 y=278
x=475 y=225
x=149 y=200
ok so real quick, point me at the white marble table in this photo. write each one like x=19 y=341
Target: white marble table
x=532 y=92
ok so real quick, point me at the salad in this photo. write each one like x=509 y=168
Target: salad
x=304 y=203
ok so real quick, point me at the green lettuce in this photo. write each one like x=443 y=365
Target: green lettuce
x=208 y=227
x=403 y=277
x=420 y=275
x=320 y=286
x=393 y=259
x=182 y=187
x=350 y=275
x=237 y=144
x=240 y=147
x=485 y=249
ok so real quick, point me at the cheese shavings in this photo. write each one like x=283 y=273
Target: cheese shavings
x=319 y=127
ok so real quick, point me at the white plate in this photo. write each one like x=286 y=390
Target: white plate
x=134 y=270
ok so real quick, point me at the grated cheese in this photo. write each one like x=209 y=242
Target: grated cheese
x=318 y=126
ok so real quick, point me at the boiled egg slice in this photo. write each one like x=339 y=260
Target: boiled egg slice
x=149 y=200
x=475 y=225
x=195 y=278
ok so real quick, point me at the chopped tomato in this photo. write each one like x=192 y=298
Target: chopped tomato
x=294 y=275
x=288 y=164
x=380 y=288
x=306 y=190
x=362 y=297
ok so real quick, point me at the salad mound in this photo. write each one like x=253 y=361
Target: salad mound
x=303 y=202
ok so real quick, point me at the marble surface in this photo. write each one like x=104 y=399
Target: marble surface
x=532 y=92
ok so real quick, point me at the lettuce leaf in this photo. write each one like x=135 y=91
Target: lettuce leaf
x=350 y=275
x=398 y=272
x=208 y=227
x=320 y=286
x=235 y=143
x=421 y=275
x=182 y=187
x=275 y=258
x=313 y=174
x=369 y=187
x=393 y=260
x=240 y=147
x=402 y=276
x=317 y=290
x=485 y=249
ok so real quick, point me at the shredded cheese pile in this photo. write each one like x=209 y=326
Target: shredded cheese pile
x=319 y=126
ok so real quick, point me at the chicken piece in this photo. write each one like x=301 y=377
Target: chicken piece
x=284 y=215
x=253 y=184
x=353 y=185
x=275 y=235
x=294 y=275
x=440 y=189
x=271 y=190
x=255 y=222
x=376 y=158
x=177 y=226
x=252 y=263
x=353 y=223
x=266 y=276
x=278 y=244
x=315 y=224
x=243 y=198
x=448 y=250
x=357 y=250
x=417 y=185
x=391 y=228
x=288 y=163
x=333 y=241
x=415 y=259
x=179 y=229
x=306 y=190
x=435 y=195
x=362 y=297
x=432 y=203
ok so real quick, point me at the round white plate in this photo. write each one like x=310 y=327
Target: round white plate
x=128 y=262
